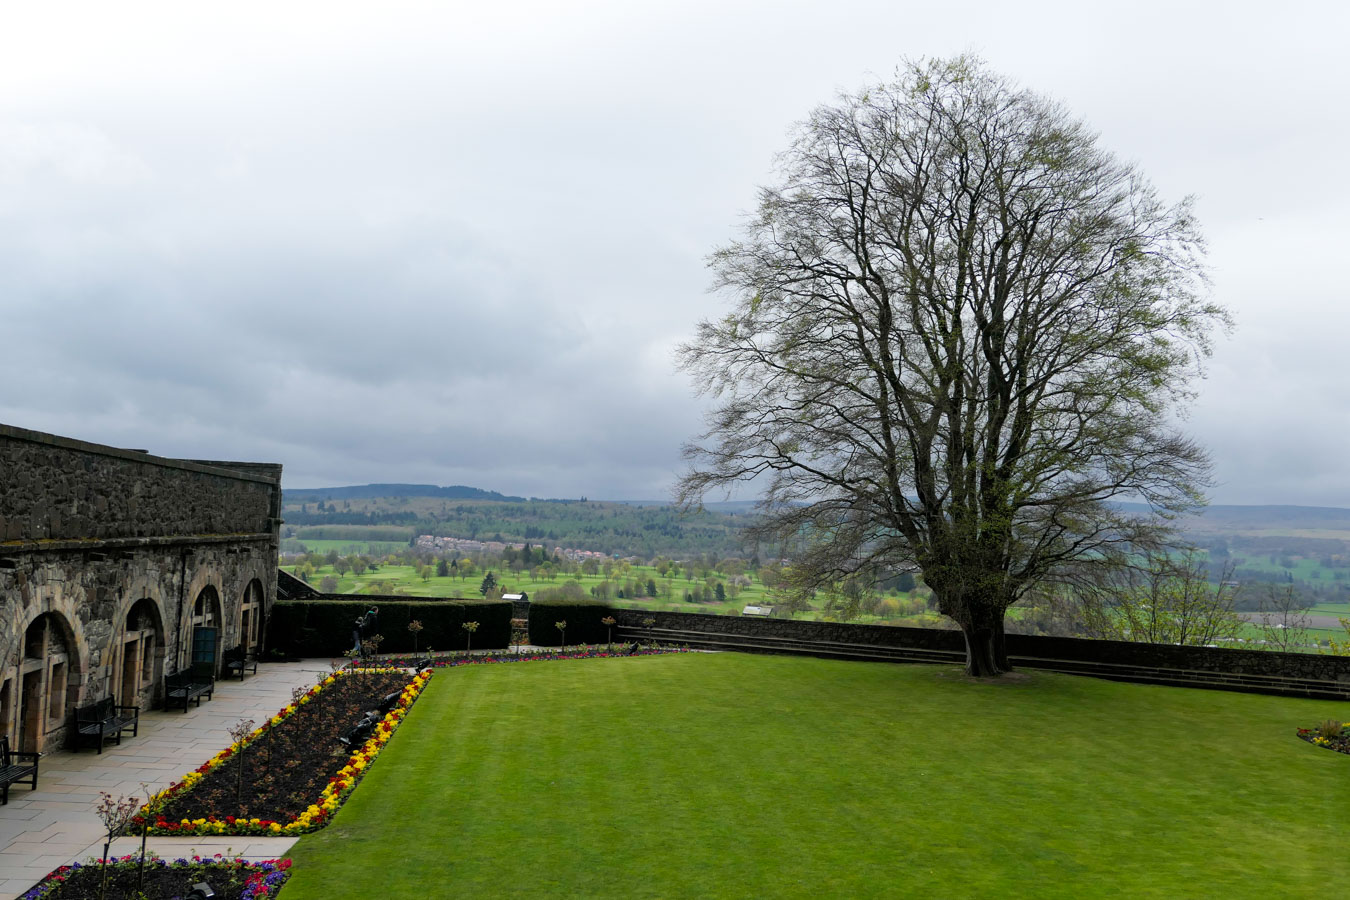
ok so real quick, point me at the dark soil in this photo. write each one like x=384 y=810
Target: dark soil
x=1339 y=742
x=229 y=880
x=286 y=768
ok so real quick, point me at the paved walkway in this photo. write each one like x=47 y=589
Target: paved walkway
x=56 y=824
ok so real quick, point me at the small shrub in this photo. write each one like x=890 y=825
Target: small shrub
x=1330 y=729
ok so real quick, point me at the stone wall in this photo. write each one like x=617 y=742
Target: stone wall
x=105 y=554
x=57 y=488
x=1207 y=659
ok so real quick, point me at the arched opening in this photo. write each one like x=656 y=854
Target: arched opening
x=142 y=654
x=250 y=616
x=7 y=707
x=47 y=691
x=203 y=631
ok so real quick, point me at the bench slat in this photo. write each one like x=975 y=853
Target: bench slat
x=13 y=770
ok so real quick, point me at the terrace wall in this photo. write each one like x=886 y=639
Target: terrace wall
x=1228 y=666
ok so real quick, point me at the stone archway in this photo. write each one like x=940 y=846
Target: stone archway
x=250 y=616
x=202 y=630
x=48 y=680
x=139 y=654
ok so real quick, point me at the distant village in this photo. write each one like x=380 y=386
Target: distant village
x=463 y=545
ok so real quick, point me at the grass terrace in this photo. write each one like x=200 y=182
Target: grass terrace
x=731 y=775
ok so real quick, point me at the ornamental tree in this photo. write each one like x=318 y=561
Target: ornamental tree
x=959 y=331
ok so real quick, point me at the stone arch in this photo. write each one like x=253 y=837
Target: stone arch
x=60 y=599
x=50 y=672
x=202 y=628
x=248 y=621
x=138 y=652
x=11 y=654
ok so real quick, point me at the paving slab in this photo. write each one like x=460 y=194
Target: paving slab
x=56 y=824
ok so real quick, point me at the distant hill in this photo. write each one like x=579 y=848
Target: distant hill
x=397 y=512
x=462 y=492
x=1285 y=519
x=1265 y=536
x=370 y=491
x=724 y=506
x=1274 y=519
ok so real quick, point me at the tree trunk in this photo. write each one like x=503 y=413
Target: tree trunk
x=986 y=650
x=1001 y=644
x=980 y=651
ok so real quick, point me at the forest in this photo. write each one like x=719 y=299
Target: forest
x=611 y=528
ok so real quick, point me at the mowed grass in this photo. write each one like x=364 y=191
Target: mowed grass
x=742 y=776
x=407 y=580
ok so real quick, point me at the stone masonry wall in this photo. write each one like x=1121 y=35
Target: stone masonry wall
x=95 y=595
x=54 y=488
x=1209 y=659
x=88 y=532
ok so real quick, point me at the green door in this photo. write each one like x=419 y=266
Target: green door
x=204 y=642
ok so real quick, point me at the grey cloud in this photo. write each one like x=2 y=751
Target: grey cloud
x=455 y=245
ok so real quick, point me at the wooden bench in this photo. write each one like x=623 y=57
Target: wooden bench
x=238 y=661
x=13 y=768
x=105 y=719
x=190 y=685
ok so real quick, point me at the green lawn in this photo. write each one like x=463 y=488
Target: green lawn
x=730 y=775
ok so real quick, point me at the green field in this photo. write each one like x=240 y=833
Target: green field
x=406 y=580
x=1316 y=637
x=727 y=775
x=1330 y=609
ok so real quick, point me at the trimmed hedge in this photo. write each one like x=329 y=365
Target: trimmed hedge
x=323 y=627
x=583 y=622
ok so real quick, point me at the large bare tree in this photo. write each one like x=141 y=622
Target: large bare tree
x=959 y=330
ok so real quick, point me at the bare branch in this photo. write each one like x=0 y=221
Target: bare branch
x=958 y=329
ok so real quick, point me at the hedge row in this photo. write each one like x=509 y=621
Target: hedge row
x=583 y=622
x=323 y=627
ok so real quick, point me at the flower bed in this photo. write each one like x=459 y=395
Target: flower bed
x=293 y=776
x=596 y=651
x=1325 y=736
x=231 y=879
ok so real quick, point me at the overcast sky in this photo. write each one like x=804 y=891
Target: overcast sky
x=457 y=242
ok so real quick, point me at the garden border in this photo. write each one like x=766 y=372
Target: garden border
x=266 y=881
x=318 y=813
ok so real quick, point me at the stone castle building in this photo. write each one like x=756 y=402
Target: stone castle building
x=118 y=568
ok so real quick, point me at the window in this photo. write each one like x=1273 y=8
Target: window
x=56 y=691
